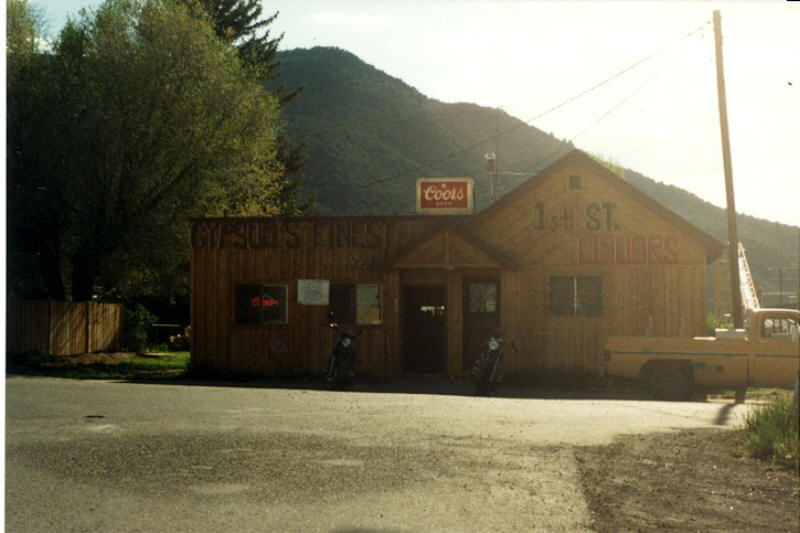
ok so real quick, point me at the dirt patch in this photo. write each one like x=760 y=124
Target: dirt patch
x=698 y=480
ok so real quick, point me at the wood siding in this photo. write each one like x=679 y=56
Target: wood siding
x=575 y=219
x=304 y=344
x=62 y=328
x=653 y=273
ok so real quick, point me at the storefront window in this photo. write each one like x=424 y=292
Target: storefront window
x=261 y=304
x=356 y=304
x=576 y=296
x=369 y=299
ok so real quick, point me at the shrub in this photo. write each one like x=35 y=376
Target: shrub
x=772 y=433
x=712 y=323
x=136 y=321
x=33 y=359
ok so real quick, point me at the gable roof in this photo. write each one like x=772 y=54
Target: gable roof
x=713 y=247
x=449 y=246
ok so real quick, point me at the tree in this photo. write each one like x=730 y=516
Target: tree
x=240 y=23
x=24 y=29
x=139 y=118
x=30 y=211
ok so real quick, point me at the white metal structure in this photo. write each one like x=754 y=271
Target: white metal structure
x=748 y=286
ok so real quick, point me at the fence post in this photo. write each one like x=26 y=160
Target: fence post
x=87 y=317
x=49 y=326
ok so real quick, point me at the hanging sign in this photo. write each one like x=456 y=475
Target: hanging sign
x=313 y=291
x=445 y=196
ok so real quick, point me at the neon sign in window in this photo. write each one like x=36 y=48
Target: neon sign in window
x=261 y=304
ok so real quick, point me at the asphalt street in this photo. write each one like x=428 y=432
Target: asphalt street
x=108 y=456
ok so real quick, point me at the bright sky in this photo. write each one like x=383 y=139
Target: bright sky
x=660 y=118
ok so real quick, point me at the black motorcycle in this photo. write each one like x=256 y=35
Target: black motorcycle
x=486 y=372
x=341 y=371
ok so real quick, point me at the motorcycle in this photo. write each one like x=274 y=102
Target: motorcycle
x=341 y=370
x=486 y=372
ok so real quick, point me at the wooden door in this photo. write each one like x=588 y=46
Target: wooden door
x=424 y=329
x=481 y=308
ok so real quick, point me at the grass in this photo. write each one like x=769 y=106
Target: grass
x=772 y=433
x=144 y=366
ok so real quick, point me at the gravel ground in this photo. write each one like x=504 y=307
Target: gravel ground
x=106 y=456
x=694 y=480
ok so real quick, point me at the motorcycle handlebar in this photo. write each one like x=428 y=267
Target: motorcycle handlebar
x=335 y=325
x=503 y=341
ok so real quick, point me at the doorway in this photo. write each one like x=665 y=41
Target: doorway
x=424 y=328
x=481 y=316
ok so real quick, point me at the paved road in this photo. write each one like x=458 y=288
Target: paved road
x=105 y=456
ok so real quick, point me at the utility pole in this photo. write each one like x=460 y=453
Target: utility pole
x=491 y=160
x=733 y=239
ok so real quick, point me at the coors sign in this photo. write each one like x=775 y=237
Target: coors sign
x=444 y=195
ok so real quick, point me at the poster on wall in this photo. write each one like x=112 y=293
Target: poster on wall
x=313 y=291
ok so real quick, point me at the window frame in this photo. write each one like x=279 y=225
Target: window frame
x=577 y=307
x=262 y=289
x=495 y=296
x=353 y=316
x=379 y=306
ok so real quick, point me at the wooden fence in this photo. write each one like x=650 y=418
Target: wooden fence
x=62 y=328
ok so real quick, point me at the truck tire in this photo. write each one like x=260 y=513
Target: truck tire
x=670 y=384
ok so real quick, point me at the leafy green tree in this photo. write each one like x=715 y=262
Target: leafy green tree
x=240 y=23
x=23 y=30
x=139 y=118
x=32 y=211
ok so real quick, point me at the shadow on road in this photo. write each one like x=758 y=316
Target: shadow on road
x=425 y=384
x=724 y=414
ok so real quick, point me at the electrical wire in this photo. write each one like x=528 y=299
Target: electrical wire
x=542 y=114
x=594 y=123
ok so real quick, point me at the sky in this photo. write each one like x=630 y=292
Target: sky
x=660 y=118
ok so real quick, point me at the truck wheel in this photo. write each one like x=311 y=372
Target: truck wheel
x=670 y=384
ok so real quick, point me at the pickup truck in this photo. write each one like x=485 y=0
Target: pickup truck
x=766 y=353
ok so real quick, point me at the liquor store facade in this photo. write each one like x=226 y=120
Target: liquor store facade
x=569 y=257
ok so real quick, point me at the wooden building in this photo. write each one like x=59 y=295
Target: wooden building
x=569 y=257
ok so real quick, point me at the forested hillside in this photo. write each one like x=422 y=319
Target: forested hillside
x=371 y=135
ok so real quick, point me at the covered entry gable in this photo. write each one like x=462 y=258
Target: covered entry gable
x=449 y=247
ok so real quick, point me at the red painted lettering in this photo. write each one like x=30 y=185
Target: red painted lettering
x=671 y=255
x=654 y=256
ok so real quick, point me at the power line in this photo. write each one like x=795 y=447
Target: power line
x=540 y=115
x=590 y=126
x=617 y=106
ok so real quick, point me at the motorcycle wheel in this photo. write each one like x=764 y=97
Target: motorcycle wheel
x=482 y=384
x=331 y=376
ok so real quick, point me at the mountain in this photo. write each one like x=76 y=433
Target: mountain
x=370 y=136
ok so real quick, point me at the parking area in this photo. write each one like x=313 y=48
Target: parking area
x=94 y=455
